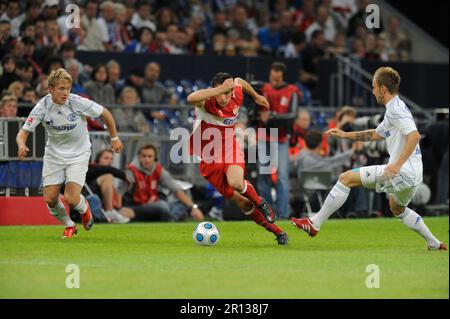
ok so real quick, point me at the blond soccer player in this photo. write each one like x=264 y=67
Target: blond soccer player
x=68 y=148
x=400 y=177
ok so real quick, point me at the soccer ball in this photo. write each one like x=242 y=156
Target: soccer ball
x=206 y=234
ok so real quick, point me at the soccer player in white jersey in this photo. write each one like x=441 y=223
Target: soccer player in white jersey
x=399 y=178
x=68 y=148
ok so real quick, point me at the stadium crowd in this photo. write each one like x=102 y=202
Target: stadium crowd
x=35 y=39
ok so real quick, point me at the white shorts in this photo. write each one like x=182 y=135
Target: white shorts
x=57 y=174
x=401 y=187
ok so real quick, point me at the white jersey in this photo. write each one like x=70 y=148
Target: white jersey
x=397 y=123
x=66 y=125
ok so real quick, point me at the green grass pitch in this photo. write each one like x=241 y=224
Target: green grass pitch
x=157 y=260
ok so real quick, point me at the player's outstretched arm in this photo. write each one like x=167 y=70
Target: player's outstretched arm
x=198 y=98
x=363 y=136
x=247 y=88
x=111 y=125
x=21 y=140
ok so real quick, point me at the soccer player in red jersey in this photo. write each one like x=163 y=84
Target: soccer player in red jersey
x=216 y=111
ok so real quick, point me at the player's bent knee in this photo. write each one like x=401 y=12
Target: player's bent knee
x=345 y=178
x=236 y=184
x=72 y=201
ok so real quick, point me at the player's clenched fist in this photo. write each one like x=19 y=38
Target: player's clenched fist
x=23 y=151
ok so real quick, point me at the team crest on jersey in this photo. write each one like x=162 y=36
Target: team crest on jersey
x=72 y=117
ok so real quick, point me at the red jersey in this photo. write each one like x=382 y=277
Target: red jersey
x=146 y=185
x=280 y=101
x=213 y=138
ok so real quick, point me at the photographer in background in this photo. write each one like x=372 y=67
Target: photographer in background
x=283 y=99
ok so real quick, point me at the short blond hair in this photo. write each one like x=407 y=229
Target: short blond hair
x=7 y=98
x=388 y=77
x=58 y=75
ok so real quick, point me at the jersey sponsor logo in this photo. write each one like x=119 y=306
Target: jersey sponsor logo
x=228 y=121
x=63 y=127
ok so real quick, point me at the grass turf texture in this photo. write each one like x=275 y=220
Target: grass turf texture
x=156 y=260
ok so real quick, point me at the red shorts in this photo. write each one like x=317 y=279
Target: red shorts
x=216 y=175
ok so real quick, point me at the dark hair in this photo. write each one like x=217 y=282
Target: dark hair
x=141 y=30
x=316 y=33
x=95 y=70
x=23 y=64
x=219 y=78
x=8 y=58
x=313 y=139
x=279 y=67
x=149 y=147
x=68 y=46
x=100 y=154
x=28 y=41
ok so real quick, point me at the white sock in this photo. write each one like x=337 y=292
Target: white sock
x=335 y=199
x=59 y=212
x=81 y=207
x=413 y=220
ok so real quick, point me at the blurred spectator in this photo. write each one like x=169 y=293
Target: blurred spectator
x=165 y=17
x=128 y=118
x=98 y=87
x=100 y=178
x=93 y=34
x=311 y=57
x=16 y=89
x=306 y=16
x=270 y=37
x=370 y=47
x=50 y=9
x=5 y=38
x=73 y=67
x=358 y=50
x=29 y=56
x=323 y=22
x=121 y=36
x=114 y=77
x=155 y=92
x=339 y=45
x=397 y=42
x=243 y=27
x=381 y=50
x=107 y=24
x=141 y=18
x=9 y=72
x=312 y=158
x=144 y=42
x=8 y=106
x=12 y=16
x=136 y=79
x=287 y=28
x=146 y=175
x=360 y=17
x=221 y=23
x=297 y=140
x=53 y=62
x=17 y=49
x=173 y=44
x=52 y=38
x=219 y=43
x=42 y=86
x=29 y=95
x=28 y=29
x=24 y=70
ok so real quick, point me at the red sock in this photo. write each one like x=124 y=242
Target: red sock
x=258 y=218
x=250 y=193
